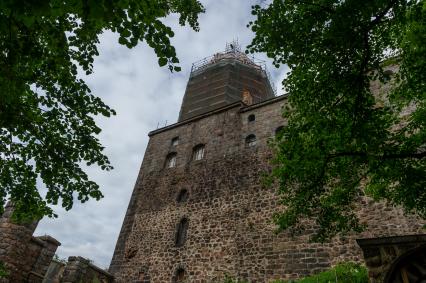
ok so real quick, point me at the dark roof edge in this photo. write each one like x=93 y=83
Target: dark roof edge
x=405 y=239
x=240 y=104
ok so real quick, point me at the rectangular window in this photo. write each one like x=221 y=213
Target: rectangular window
x=175 y=141
x=199 y=152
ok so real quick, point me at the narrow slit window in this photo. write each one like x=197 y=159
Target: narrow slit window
x=181 y=232
x=182 y=196
x=251 y=118
x=171 y=160
x=198 y=152
x=251 y=140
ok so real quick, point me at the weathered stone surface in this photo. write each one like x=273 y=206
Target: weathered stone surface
x=230 y=214
x=26 y=257
x=79 y=269
x=29 y=259
x=55 y=272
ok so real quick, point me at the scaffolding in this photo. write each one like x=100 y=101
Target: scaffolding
x=232 y=53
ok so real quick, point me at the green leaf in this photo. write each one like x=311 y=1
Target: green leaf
x=347 y=135
x=47 y=116
x=162 y=61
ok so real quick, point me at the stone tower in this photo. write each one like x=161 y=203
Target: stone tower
x=198 y=210
x=221 y=79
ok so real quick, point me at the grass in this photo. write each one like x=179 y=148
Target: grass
x=3 y=270
x=348 y=272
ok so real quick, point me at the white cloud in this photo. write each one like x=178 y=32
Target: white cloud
x=144 y=95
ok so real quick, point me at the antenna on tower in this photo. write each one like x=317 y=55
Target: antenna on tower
x=233 y=46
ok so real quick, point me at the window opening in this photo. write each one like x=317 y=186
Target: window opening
x=198 y=153
x=171 y=160
x=180 y=275
x=251 y=118
x=175 y=141
x=251 y=140
x=183 y=196
x=181 y=232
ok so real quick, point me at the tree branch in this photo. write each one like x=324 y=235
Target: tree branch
x=324 y=8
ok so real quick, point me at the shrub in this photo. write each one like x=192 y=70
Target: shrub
x=348 y=272
x=3 y=270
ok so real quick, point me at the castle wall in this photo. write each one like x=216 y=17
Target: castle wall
x=229 y=212
x=79 y=269
x=26 y=257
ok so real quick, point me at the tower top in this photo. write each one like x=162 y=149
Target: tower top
x=224 y=78
x=232 y=53
x=233 y=46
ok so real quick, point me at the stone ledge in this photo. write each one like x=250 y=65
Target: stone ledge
x=49 y=239
x=91 y=265
x=38 y=241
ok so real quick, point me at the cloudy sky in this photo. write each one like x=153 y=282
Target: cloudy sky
x=144 y=96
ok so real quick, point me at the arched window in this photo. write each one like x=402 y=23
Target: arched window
x=198 y=152
x=251 y=140
x=181 y=232
x=175 y=141
x=171 y=160
x=180 y=275
x=182 y=196
x=251 y=118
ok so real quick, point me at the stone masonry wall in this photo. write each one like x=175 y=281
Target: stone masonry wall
x=230 y=228
x=45 y=256
x=26 y=257
x=14 y=241
x=79 y=269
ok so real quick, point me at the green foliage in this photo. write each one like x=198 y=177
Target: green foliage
x=229 y=279
x=343 y=141
x=3 y=270
x=347 y=272
x=47 y=130
x=341 y=273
